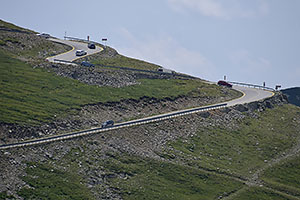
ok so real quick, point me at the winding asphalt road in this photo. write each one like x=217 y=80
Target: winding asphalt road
x=249 y=95
x=71 y=55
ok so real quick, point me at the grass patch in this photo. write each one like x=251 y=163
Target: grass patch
x=12 y=40
x=284 y=176
x=32 y=96
x=123 y=61
x=48 y=183
x=150 y=179
x=253 y=193
x=2 y=42
x=244 y=150
x=5 y=196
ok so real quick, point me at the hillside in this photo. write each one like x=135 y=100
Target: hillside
x=247 y=151
x=39 y=98
x=208 y=156
x=293 y=95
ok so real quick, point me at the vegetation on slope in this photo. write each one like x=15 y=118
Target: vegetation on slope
x=285 y=176
x=260 y=193
x=243 y=150
x=143 y=179
x=110 y=57
x=162 y=180
x=193 y=168
x=48 y=183
x=123 y=61
x=32 y=96
x=206 y=165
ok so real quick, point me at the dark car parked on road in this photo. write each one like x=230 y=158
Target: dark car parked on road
x=91 y=46
x=108 y=123
x=224 y=83
x=87 y=64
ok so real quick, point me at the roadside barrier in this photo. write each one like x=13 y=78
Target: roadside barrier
x=251 y=85
x=117 y=126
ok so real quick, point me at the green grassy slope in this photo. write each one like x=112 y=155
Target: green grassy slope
x=285 y=176
x=254 y=193
x=242 y=151
x=197 y=166
x=50 y=183
x=123 y=61
x=32 y=96
x=146 y=179
x=161 y=180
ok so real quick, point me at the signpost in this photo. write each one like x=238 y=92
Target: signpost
x=104 y=40
x=277 y=87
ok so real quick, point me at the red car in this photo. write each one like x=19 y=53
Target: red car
x=224 y=83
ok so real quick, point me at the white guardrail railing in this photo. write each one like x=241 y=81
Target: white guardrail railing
x=251 y=85
x=117 y=126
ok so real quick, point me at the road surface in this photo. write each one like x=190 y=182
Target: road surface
x=70 y=55
x=249 y=95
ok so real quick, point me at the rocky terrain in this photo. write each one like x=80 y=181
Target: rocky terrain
x=102 y=76
x=146 y=141
x=219 y=154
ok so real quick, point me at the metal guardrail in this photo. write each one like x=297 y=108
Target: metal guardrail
x=65 y=61
x=78 y=39
x=117 y=126
x=252 y=85
x=144 y=70
x=129 y=69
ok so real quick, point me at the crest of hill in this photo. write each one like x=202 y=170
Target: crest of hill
x=11 y=27
x=293 y=95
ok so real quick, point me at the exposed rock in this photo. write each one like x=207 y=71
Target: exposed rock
x=241 y=108
x=147 y=141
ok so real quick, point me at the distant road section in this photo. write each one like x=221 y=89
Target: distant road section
x=70 y=55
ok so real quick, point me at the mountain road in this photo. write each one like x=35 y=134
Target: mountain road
x=71 y=55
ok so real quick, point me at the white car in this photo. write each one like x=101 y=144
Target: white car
x=80 y=53
x=44 y=35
